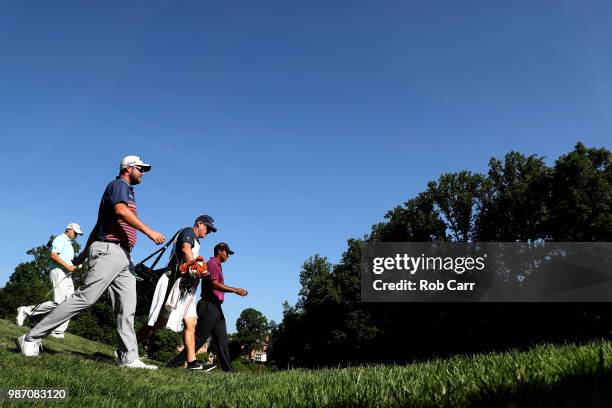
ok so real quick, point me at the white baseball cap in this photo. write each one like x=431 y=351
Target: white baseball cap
x=133 y=161
x=75 y=227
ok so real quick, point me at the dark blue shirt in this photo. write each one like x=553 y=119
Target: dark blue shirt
x=185 y=236
x=109 y=226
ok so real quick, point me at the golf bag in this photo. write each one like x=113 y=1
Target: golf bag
x=147 y=277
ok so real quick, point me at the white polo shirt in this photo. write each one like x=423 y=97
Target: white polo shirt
x=62 y=245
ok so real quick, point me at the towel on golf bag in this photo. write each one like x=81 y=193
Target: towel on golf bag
x=177 y=304
x=146 y=285
x=158 y=299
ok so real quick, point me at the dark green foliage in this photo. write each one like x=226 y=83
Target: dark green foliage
x=235 y=348
x=163 y=345
x=419 y=220
x=458 y=198
x=96 y=323
x=519 y=199
x=581 y=196
x=242 y=365
x=252 y=328
x=517 y=190
x=29 y=283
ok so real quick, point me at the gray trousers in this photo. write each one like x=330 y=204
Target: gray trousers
x=109 y=268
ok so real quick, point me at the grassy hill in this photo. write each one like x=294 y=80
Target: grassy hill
x=568 y=375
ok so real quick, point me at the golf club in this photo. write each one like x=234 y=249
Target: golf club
x=51 y=291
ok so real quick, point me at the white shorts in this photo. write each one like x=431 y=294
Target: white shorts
x=191 y=310
x=157 y=304
x=184 y=309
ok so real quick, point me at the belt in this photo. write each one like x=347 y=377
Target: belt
x=127 y=248
x=215 y=301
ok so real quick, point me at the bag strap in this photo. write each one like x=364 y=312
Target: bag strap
x=161 y=250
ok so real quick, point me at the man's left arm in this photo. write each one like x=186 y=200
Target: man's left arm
x=224 y=288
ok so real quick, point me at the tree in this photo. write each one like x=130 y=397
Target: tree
x=519 y=199
x=285 y=342
x=419 y=220
x=252 y=329
x=581 y=198
x=518 y=191
x=29 y=282
x=458 y=198
x=317 y=284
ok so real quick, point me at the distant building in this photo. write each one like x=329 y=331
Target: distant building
x=256 y=355
x=260 y=354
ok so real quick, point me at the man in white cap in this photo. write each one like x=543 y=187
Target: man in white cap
x=110 y=266
x=62 y=253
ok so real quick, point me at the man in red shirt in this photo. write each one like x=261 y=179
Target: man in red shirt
x=211 y=320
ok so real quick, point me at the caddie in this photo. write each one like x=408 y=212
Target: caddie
x=211 y=320
x=173 y=304
x=62 y=253
x=110 y=266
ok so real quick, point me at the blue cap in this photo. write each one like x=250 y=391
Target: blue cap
x=208 y=221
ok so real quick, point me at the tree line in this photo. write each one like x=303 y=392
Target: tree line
x=519 y=199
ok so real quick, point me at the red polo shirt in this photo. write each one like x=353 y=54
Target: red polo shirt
x=110 y=226
x=216 y=273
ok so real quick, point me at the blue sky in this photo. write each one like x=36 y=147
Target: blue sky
x=295 y=124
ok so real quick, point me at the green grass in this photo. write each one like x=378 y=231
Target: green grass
x=544 y=376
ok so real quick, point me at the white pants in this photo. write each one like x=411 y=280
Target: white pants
x=60 y=293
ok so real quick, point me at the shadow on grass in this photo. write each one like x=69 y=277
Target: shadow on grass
x=15 y=350
x=583 y=390
x=98 y=357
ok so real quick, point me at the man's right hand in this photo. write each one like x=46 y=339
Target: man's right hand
x=71 y=268
x=156 y=237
